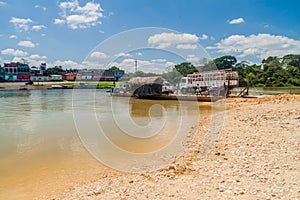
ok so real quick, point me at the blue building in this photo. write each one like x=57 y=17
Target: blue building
x=23 y=72
x=10 y=72
x=2 y=74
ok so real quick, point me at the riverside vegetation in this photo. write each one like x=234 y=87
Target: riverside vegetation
x=272 y=72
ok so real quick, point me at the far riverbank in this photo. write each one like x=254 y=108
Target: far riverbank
x=47 y=85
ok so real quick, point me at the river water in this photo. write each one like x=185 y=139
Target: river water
x=44 y=144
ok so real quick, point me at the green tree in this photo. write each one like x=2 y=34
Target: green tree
x=225 y=62
x=292 y=60
x=172 y=77
x=185 y=68
x=114 y=68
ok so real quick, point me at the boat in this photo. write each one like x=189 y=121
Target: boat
x=56 y=87
x=199 y=98
x=24 y=87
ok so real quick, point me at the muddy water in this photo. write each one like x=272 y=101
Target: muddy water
x=41 y=153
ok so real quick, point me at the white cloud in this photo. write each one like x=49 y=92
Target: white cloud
x=20 y=24
x=260 y=46
x=156 y=65
x=37 y=57
x=38 y=27
x=13 y=52
x=98 y=54
x=13 y=37
x=59 y=21
x=186 y=46
x=43 y=35
x=159 y=60
x=40 y=7
x=27 y=43
x=30 y=61
x=77 y=16
x=2 y=3
x=123 y=55
x=170 y=64
x=203 y=37
x=236 y=21
x=91 y=65
x=165 y=40
x=193 y=59
x=66 y=63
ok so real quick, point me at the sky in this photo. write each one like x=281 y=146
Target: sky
x=157 y=33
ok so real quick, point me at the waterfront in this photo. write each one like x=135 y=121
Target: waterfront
x=40 y=150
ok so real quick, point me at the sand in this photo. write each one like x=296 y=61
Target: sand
x=256 y=156
x=36 y=86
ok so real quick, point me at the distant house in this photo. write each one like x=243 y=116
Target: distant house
x=55 y=77
x=107 y=75
x=40 y=78
x=23 y=72
x=69 y=76
x=86 y=75
x=34 y=71
x=118 y=74
x=11 y=71
x=16 y=72
x=2 y=74
x=43 y=67
x=99 y=75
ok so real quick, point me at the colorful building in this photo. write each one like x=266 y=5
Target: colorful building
x=40 y=78
x=43 y=67
x=69 y=76
x=55 y=77
x=16 y=72
x=23 y=72
x=86 y=75
x=2 y=74
x=11 y=71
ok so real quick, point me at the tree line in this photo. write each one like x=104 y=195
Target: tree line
x=271 y=72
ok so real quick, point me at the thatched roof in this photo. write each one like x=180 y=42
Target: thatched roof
x=146 y=80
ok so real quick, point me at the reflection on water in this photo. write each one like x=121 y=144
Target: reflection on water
x=143 y=126
x=36 y=131
x=39 y=143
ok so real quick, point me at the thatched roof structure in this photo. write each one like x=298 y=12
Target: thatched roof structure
x=139 y=81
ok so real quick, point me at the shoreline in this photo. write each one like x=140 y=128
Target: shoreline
x=256 y=156
x=4 y=86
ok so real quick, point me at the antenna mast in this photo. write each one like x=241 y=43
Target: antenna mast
x=136 y=66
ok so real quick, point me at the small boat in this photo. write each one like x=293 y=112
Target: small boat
x=24 y=87
x=56 y=87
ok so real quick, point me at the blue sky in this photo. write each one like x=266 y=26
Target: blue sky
x=79 y=33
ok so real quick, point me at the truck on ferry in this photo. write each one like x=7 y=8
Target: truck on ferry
x=209 y=82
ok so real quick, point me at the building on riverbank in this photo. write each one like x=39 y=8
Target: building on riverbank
x=10 y=71
x=2 y=74
x=16 y=72
x=23 y=72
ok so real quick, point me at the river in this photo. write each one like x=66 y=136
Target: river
x=43 y=146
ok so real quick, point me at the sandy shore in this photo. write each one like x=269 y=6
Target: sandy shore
x=36 y=86
x=256 y=156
